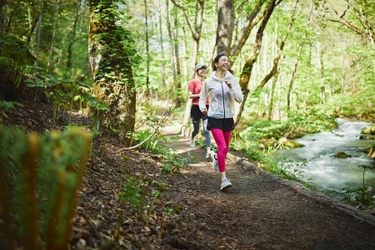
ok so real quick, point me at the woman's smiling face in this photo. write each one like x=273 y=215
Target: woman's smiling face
x=202 y=72
x=223 y=64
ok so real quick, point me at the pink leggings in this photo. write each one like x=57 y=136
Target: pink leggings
x=222 y=141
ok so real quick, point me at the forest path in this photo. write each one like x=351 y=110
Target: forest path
x=260 y=211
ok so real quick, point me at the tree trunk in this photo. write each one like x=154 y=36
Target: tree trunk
x=175 y=60
x=279 y=53
x=173 y=57
x=147 y=53
x=177 y=82
x=7 y=26
x=72 y=38
x=38 y=30
x=33 y=25
x=195 y=29
x=51 y=62
x=249 y=64
x=3 y=4
x=112 y=69
x=3 y=9
x=322 y=83
x=224 y=27
x=271 y=104
x=161 y=47
x=300 y=49
x=342 y=77
x=251 y=21
x=188 y=101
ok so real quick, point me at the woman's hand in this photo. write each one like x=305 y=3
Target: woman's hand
x=204 y=111
x=229 y=84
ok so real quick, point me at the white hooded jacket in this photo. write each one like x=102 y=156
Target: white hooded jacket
x=222 y=98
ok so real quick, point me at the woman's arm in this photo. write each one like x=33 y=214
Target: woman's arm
x=202 y=98
x=191 y=95
x=235 y=90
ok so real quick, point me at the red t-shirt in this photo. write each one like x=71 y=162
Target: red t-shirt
x=195 y=87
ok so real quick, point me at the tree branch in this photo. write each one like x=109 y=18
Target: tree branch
x=139 y=144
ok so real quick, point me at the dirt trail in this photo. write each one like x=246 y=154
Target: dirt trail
x=260 y=211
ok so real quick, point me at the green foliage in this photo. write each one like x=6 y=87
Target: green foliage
x=119 y=53
x=265 y=134
x=171 y=208
x=312 y=122
x=154 y=142
x=40 y=178
x=4 y=105
x=135 y=190
x=113 y=48
x=147 y=138
x=15 y=59
x=67 y=93
x=15 y=52
x=155 y=194
x=132 y=192
x=364 y=194
x=59 y=15
x=356 y=99
x=358 y=106
x=291 y=171
x=171 y=162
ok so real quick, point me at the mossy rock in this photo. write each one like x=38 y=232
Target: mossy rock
x=371 y=152
x=341 y=155
x=368 y=130
x=290 y=143
x=297 y=134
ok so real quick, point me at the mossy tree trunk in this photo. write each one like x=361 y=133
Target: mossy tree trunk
x=112 y=56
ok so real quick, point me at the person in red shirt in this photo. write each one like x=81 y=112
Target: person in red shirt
x=196 y=115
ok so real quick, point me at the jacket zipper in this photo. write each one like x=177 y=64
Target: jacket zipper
x=222 y=92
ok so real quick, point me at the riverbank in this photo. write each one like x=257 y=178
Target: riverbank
x=316 y=162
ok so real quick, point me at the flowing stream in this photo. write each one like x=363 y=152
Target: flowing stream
x=315 y=163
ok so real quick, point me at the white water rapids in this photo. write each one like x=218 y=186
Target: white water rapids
x=315 y=163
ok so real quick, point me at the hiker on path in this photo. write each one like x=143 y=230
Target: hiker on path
x=224 y=89
x=196 y=115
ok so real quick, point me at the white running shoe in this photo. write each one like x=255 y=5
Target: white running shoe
x=208 y=154
x=192 y=143
x=214 y=161
x=225 y=184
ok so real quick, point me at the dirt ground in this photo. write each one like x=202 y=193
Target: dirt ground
x=259 y=212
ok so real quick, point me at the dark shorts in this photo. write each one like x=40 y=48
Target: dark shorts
x=226 y=124
x=196 y=113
